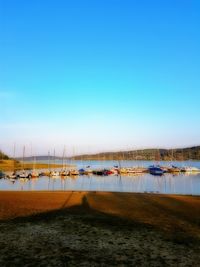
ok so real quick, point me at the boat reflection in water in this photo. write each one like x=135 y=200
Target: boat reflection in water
x=111 y=178
x=183 y=183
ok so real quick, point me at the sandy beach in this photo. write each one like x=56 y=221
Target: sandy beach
x=98 y=229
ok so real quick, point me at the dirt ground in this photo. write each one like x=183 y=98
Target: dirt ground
x=98 y=229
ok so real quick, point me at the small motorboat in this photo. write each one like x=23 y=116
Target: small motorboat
x=81 y=171
x=23 y=174
x=107 y=172
x=73 y=172
x=11 y=175
x=190 y=169
x=123 y=170
x=129 y=170
x=174 y=169
x=165 y=169
x=55 y=174
x=115 y=170
x=98 y=172
x=64 y=173
x=136 y=170
x=35 y=174
x=156 y=170
x=88 y=171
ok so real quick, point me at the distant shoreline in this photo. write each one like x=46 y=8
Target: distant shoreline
x=11 y=165
x=157 y=154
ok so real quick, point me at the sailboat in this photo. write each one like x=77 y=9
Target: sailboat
x=54 y=173
x=122 y=170
x=73 y=171
x=64 y=172
x=190 y=169
x=172 y=168
x=23 y=173
x=34 y=173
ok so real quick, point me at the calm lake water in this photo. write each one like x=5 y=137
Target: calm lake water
x=188 y=184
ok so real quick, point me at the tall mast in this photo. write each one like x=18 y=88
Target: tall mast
x=23 y=157
x=63 y=158
x=54 y=153
x=14 y=156
x=48 y=161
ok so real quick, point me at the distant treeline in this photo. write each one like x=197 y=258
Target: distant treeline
x=192 y=153
x=3 y=156
x=39 y=158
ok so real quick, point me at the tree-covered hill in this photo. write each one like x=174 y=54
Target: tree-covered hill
x=3 y=156
x=192 y=153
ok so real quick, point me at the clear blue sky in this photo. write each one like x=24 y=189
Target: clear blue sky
x=99 y=75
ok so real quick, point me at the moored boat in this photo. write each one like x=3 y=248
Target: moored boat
x=107 y=172
x=165 y=169
x=174 y=169
x=122 y=170
x=73 y=172
x=34 y=174
x=136 y=170
x=190 y=169
x=11 y=175
x=55 y=174
x=104 y=172
x=98 y=172
x=115 y=170
x=156 y=170
x=81 y=171
x=64 y=173
x=23 y=174
x=88 y=171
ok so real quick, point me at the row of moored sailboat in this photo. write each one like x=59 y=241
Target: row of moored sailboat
x=154 y=170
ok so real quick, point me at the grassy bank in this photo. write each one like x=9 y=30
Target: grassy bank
x=98 y=229
x=10 y=165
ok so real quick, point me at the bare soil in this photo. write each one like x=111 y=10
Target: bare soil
x=98 y=229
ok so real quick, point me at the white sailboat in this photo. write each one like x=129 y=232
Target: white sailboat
x=190 y=169
x=23 y=174
x=73 y=171
x=34 y=173
x=55 y=173
x=64 y=172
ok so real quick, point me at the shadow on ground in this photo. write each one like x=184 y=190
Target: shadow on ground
x=81 y=235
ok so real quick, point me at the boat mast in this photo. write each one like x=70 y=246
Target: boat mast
x=172 y=156
x=23 y=157
x=34 y=163
x=49 y=161
x=63 y=159
x=74 y=156
x=54 y=154
x=14 y=157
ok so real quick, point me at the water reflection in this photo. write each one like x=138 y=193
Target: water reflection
x=166 y=184
x=182 y=183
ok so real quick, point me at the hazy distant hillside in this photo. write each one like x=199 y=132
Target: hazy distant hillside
x=39 y=158
x=148 y=154
x=145 y=154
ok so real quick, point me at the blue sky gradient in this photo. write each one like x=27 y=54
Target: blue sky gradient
x=99 y=75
